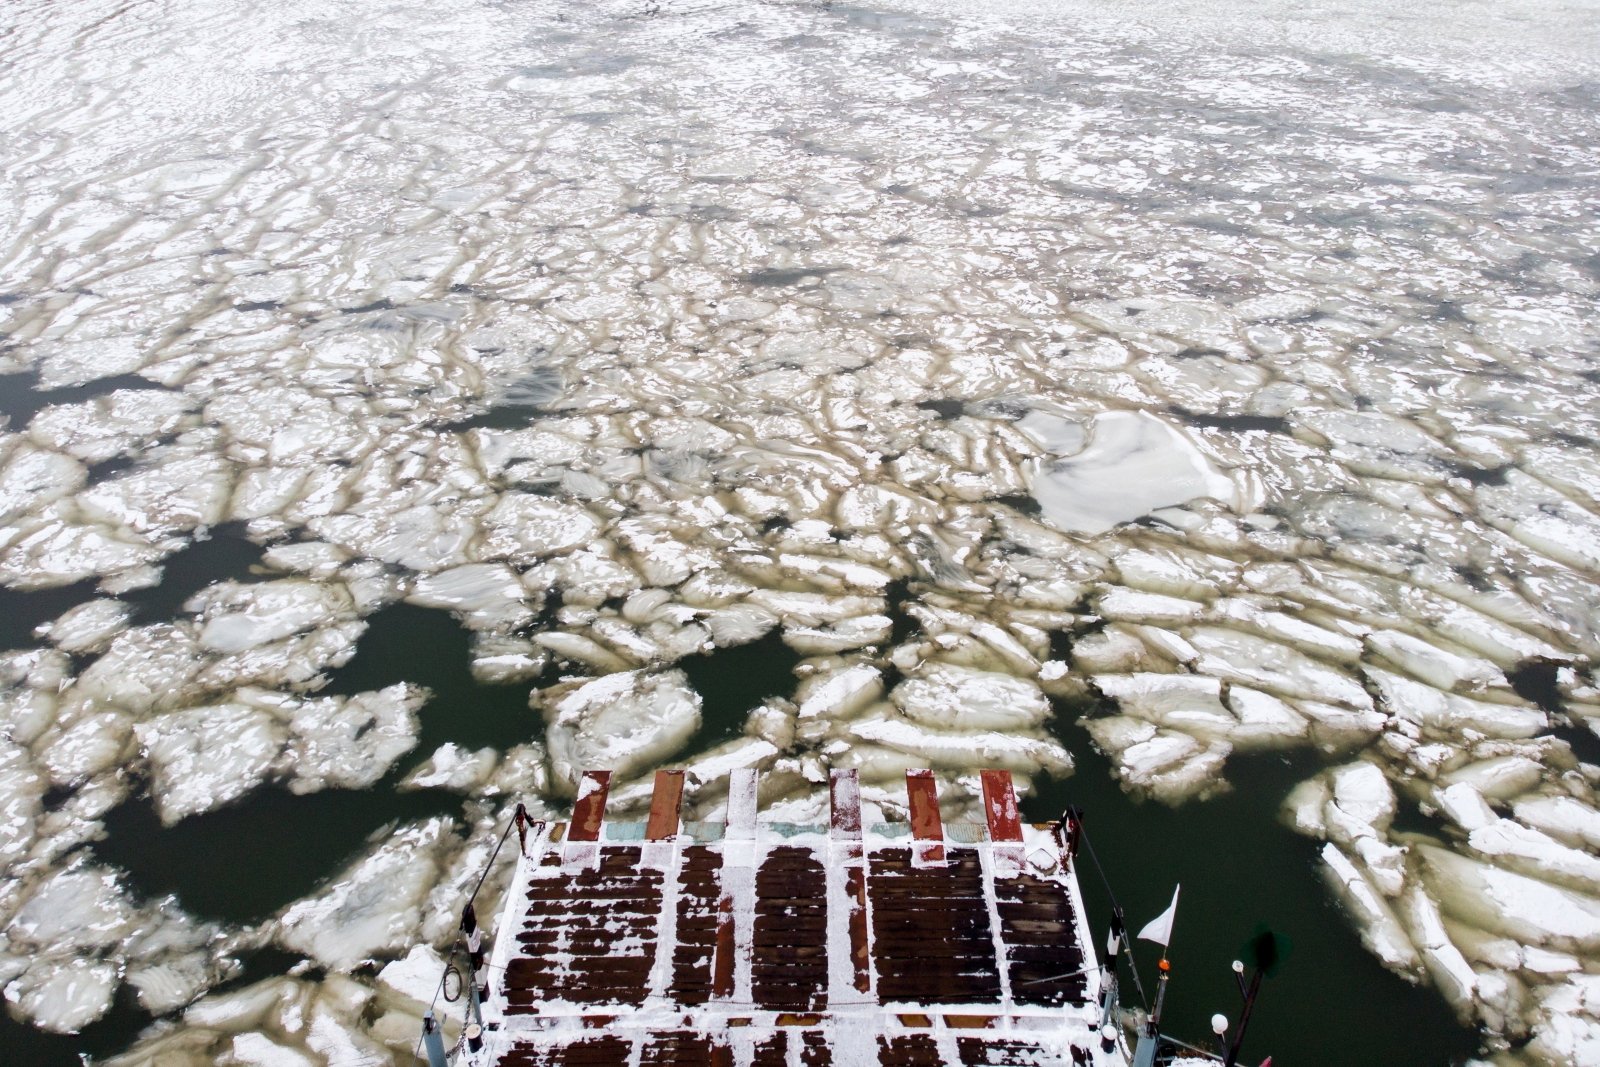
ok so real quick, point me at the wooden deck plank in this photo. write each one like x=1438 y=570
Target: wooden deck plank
x=789 y=966
x=909 y=1050
x=855 y=887
x=722 y=964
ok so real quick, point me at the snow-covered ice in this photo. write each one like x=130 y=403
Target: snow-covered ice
x=1134 y=463
x=624 y=722
x=372 y=909
x=1187 y=381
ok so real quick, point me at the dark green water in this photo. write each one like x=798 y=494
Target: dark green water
x=224 y=555
x=309 y=837
x=1330 y=1004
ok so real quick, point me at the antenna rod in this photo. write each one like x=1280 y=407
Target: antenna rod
x=1244 y=1019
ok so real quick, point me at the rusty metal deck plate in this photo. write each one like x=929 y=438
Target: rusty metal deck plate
x=632 y=945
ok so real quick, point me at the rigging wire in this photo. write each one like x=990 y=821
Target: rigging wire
x=518 y=817
x=1083 y=831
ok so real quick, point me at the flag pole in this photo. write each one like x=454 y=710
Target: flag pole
x=1166 y=970
x=1161 y=995
x=1159 y=931
x=1144 y=1055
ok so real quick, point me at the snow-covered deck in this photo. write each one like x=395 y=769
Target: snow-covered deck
x=754 y=942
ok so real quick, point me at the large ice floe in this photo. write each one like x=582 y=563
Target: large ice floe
x=1189 y=380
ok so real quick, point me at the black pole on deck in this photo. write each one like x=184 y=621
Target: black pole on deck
x=1264 y=947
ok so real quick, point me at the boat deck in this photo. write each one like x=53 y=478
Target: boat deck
x=755 y=943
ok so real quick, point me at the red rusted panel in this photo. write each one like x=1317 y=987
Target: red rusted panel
x=923 y=793
x=855 y=888
x=589 y=813
x=1000 y=807
x=722 y=962
x=665 y=803
x=844 y=797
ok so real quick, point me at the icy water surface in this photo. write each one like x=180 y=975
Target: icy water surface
x=1191 y=409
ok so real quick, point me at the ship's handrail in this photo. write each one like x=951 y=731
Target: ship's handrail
x=520 y=822
x=1076 y=815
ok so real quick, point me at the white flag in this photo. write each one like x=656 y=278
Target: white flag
x=1160 y=929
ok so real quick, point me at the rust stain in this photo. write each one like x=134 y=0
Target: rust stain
x=1000 y=807
x=665 y=803
x=722 y=961
x=844 y=800
x=923 y=794
x=855 y=886
x=589 y=813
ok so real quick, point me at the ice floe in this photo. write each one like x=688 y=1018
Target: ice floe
x=78 y=935
x=372 y=908
x=202 y=758
x=450 y=767
x=626 y=722
x=1133 y=463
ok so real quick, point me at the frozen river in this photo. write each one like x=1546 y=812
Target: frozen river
x=1192 y=408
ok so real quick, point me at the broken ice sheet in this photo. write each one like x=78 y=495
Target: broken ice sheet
x=1065 y=388
x=372 y=908
x=78 y=934
x=1134 y=463
x=624 y=722
x=205 y=757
